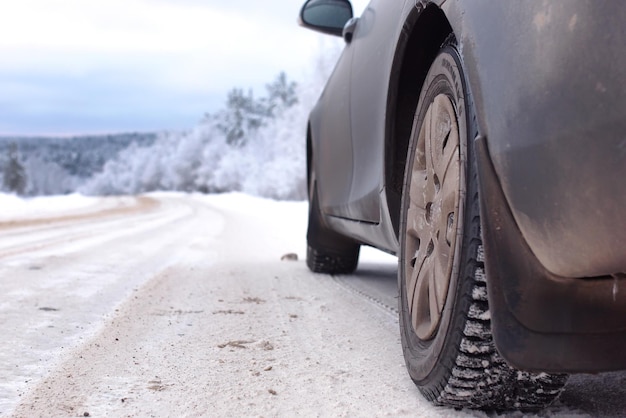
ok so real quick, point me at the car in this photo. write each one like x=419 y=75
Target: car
x=484 y=144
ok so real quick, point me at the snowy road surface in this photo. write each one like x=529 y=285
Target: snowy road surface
x=178 y=305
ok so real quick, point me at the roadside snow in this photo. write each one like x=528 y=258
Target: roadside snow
x=13 y=207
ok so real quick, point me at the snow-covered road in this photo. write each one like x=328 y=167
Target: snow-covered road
x=180 y=305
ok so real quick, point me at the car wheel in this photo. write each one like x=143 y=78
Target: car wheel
x=327 y=251
x=444 y=312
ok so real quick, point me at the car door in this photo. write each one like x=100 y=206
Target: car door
x=373 y=44
x=332 y=147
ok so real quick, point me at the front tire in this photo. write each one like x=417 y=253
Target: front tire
x=444 y=313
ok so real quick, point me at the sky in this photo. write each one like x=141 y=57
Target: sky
x=71 y=67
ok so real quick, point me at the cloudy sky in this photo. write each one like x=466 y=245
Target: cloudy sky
x=94 y=66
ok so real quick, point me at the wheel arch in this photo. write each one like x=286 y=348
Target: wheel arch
x=424 y=32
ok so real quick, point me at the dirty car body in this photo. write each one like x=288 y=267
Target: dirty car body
x=546 y=83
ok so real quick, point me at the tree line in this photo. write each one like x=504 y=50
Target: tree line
x=42 y=166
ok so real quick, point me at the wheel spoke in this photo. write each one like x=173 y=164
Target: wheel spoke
x=422 y=312
x=436 y=294
x=450 y=156
x=412 y=286
x=445 y=136
x=418 y=185
x=429 y=151
x=443 y=256
x=415 y=252
x=416 y=221
x=450 y=190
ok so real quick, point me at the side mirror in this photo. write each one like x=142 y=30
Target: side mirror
x=326 y=16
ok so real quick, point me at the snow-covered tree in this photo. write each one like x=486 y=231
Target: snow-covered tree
x=14 y=175
x=242 y=115
x=281 y=95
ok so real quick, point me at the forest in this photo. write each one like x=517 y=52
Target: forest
x=253 y=144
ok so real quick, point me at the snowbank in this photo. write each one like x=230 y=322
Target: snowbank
x=12 y=207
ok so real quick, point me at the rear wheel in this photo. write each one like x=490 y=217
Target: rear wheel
x=444 y=312
x=327 y=251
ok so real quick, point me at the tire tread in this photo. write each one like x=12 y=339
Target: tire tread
x=478 y=376
x=327 y=262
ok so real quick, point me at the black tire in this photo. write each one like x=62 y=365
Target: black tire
x=327 y=251
x=444 y=313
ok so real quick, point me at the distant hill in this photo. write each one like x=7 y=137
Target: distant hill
x=81 y=156
x=57 y=165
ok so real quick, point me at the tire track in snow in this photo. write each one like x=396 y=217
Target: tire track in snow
x=27 y=236
x=363 y=293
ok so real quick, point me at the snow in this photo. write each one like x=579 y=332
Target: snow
x=69 y=293
x=182 y=307
x=12 y=206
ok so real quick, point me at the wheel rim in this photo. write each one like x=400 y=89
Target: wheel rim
x=432 y=218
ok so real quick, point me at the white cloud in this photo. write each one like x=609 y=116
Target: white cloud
x=177 y=47
x=119 y=25
x=144 y=27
